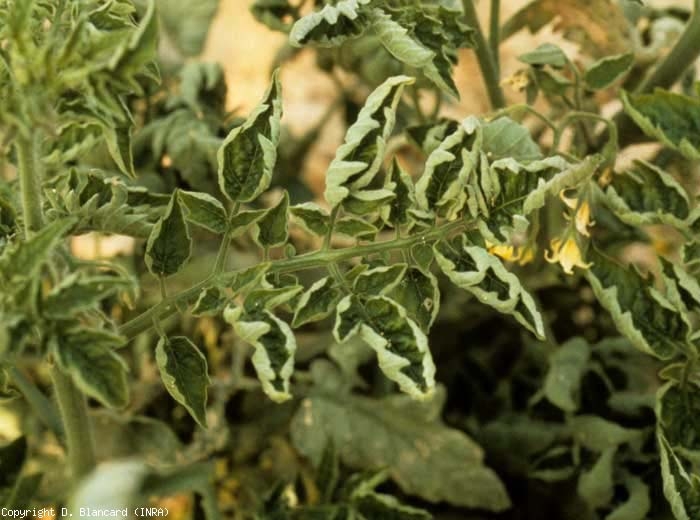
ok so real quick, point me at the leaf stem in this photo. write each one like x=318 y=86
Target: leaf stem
x=487 y=63
x=316 y=259
x=79 y=439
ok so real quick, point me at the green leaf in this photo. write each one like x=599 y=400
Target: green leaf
x=673 y=119
x=378 y=280
x=597 y=434
x=242 y=220
x=645 y=194
x=567 y=366
x=270 y=298
x=608 y=70
x=271 y=229
x=248 y=155
x=400 y=344
x=76 y=293
x=88 y=356
x=186 y=24
x=360 y=157
x=419 y=294
x=380 y=505
x=274 y=344
x=242 y=280
x=677 y=412
x=429 y=136
x=596 y=486
x=311 y=217
x=317 y=302
x=513 y=191
x=472 y=268
x=183 y=369
x=367 y=201
x=169 y=245
x=503 y=138
x=23 y=259
x=545 y=54
x=401 y=185
x=637 y=505
x=211 y=301
x=118 y=140
x=639 y=311
x=682 y=489
x=355 y=227
x=423 y=456
x=204 y=210
x=441 y=187
x=331 y=25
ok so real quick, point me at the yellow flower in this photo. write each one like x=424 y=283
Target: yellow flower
x=521 y=254
x=582 y=218
x=517 y=81
x=567 y=254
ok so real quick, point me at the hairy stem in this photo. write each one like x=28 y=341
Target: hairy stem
x=30 y=184
x=78 y=432
x=487 y=63
x=40 y=404
x=316 y=259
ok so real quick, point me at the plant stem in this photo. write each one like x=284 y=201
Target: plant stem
x=42 y=406
x=79 y=439
x=487 y=63
x=495 y=33
x=30 y=184
x=684 y=53
x=320 y=258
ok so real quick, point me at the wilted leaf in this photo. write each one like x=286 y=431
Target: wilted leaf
x=608 y=70
x=271 y=228
x=204 y=210
x=425 y=458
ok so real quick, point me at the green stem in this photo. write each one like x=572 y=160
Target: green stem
x=487 y=63
x=30 y=184
x=495 y=33
x=42 y=406
x=316 y=259
x=670 y=70
x=79 y=439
